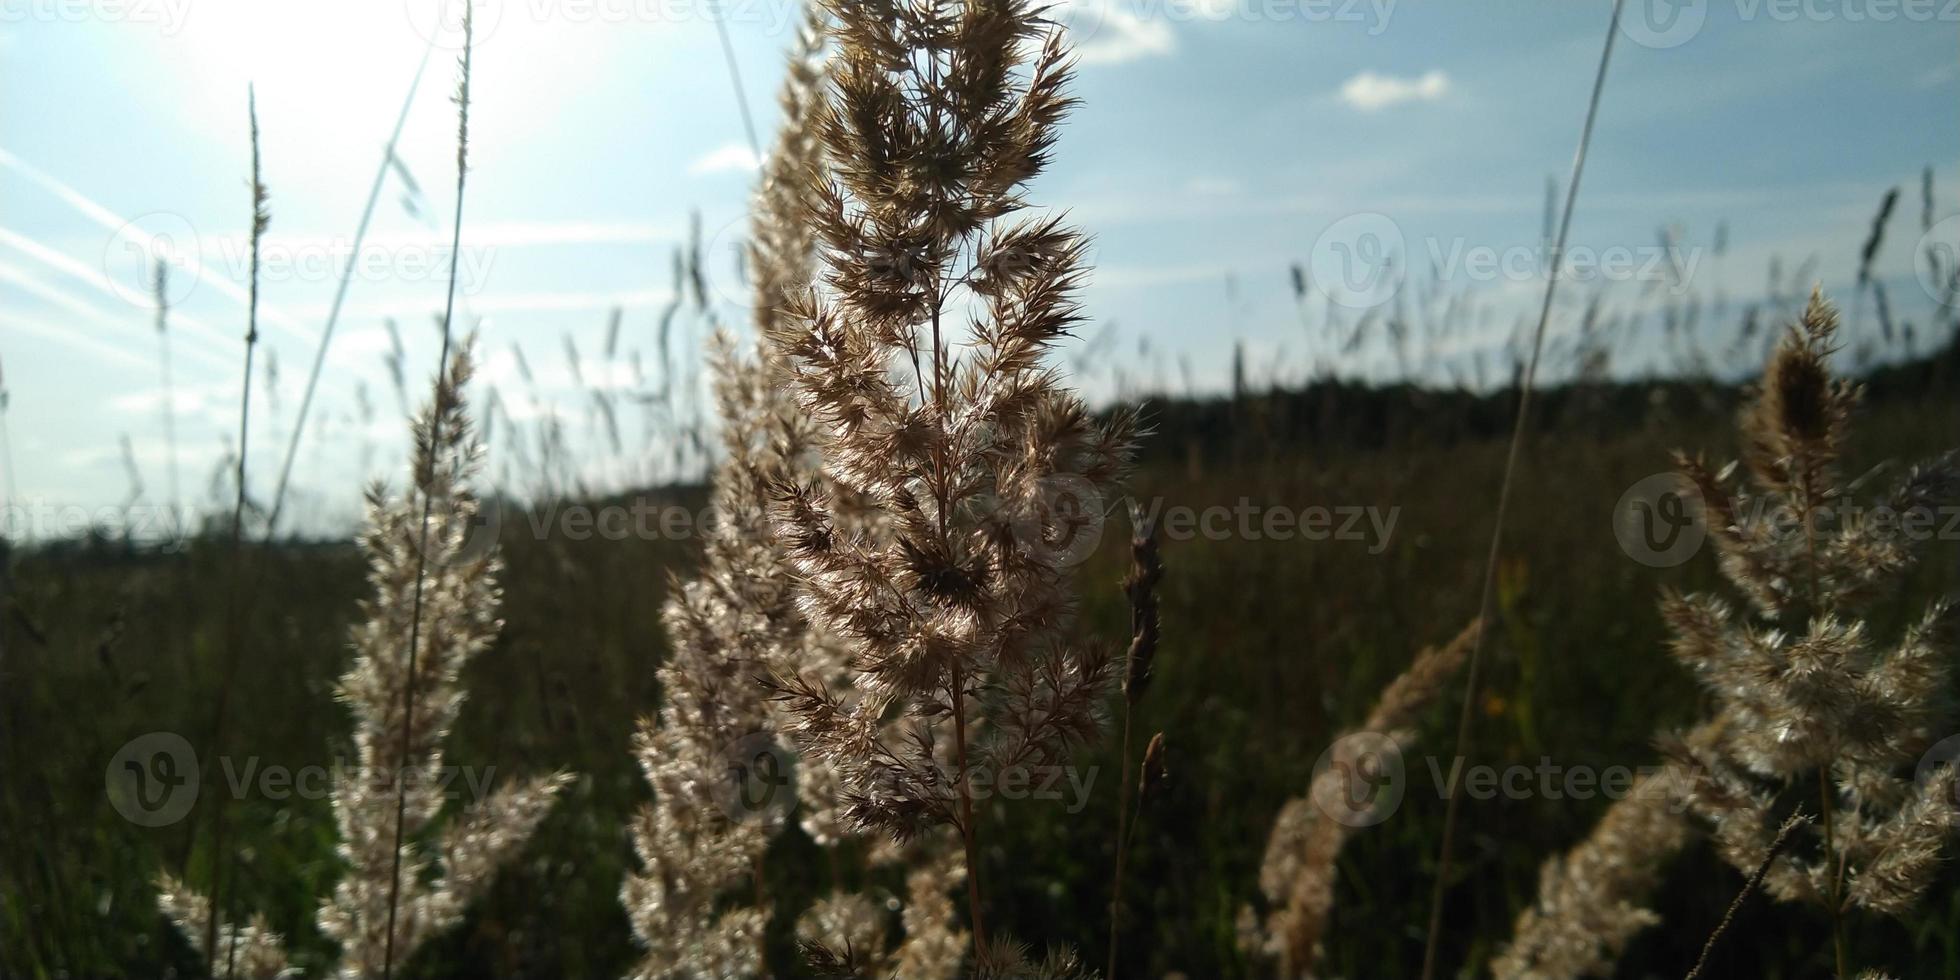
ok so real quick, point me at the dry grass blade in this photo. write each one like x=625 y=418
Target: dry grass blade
x=1146 y=570
x=234 y=602
x=426 y=480
x=1443 y=854
x=1591 y=899
x=1298 y=873
x=1748 y=888
x=160 y=291
x=6 y=444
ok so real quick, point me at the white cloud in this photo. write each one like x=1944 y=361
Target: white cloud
x=1370 y=91
x=1105 y=33
x=733 y=158
x=185 y=400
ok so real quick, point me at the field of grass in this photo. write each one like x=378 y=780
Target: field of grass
x=1270 y=648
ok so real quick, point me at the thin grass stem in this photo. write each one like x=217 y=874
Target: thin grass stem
x=234 y=610
x=1504 y=495
x=422 y=548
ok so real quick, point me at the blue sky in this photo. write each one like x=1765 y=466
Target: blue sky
x=1219 y=143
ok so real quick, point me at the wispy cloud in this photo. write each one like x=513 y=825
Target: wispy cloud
x=733 y=158
x=66 y=334
x=83 y=316
x=1106 y=33
x=106 y=218
x=1371 y=91
x=93 y=278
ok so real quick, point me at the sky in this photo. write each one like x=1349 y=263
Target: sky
x=1398 y=155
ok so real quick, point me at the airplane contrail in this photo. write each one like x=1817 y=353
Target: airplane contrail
x=94 y=277
x=115 y=223
x=68 y=336
x=13 y=274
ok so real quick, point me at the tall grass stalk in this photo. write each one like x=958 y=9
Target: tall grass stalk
x=1484 y=604
x=464 y=601
x=6 y=443
x=434 y=439
x=160 y=285
x=1749 y=888
x=220 y=856
x=1146 y=570
x=1867 y=257
x=735 y=79
x=981 y=467
x=1799 y=688
x=734 y=621
x=1303 y=850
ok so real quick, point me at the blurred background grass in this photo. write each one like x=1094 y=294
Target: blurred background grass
x=1270 y=648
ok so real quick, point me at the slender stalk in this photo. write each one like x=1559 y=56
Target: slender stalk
x=1749 y=887
x=422 y=548
x=1140 y=587
x=339 y=295
x=735 y=79
x=966 y=815
x=6 y=445
x=1826 y=808
x=160 y=281
x=1837 y=905
x=1504 y=496
x=1122 y=845
x=219 y=854
x=1136 y=810
x=7 y=454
